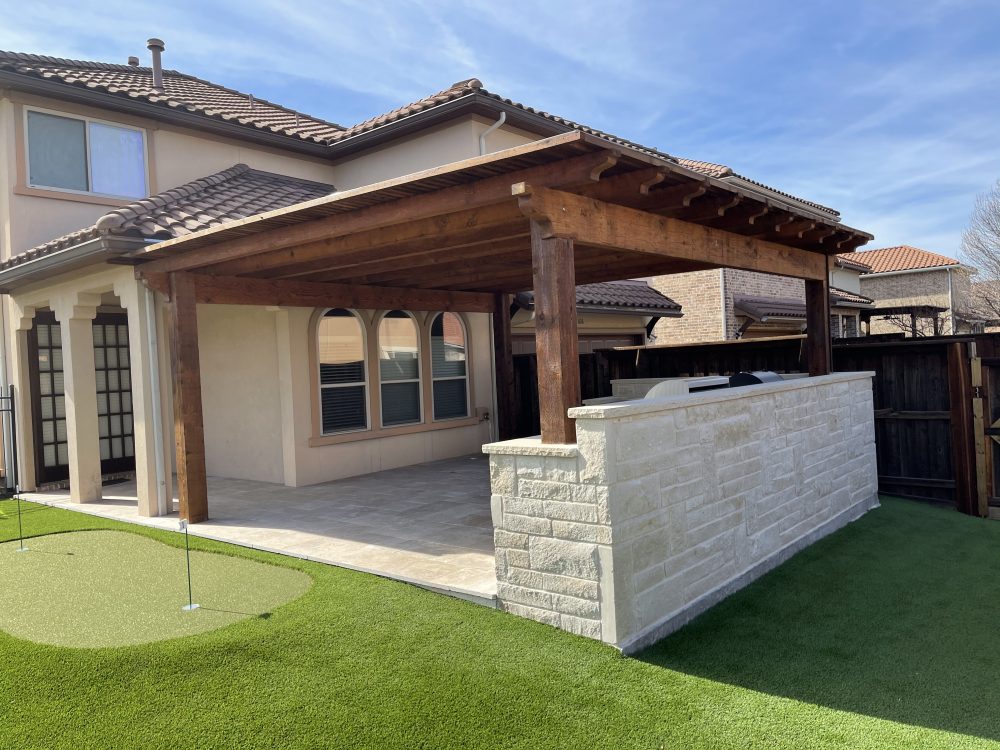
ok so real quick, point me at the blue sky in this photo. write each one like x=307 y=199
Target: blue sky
x=888 y=111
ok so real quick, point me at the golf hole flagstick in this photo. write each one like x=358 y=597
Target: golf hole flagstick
x=190 y=606
x=20 y=528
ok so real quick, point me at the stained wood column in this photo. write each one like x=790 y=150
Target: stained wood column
x=819 y=351
x=503 y=357
x=556 y=339
x=189 y=431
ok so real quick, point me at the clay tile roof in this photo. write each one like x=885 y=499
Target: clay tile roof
x=180 y=92
x=900 y=258
x=624 y=295
x=760 y=308
x=235 y=193
x=629 y=293
x=849 y=299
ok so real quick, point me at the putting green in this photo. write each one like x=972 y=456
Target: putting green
x=93 y=589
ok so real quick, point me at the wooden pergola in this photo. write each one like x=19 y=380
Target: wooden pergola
x=546 y=216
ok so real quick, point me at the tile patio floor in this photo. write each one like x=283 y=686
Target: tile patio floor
x=428 y=524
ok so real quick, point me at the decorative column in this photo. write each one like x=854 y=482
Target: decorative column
x=150 y=490
x=76 y=314
x=22 y=319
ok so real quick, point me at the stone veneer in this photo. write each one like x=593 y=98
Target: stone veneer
x=664 y=507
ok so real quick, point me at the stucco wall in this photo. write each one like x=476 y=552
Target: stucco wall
x=175 y=156
x=239 y=385
x=663 y=508
x=259 y=403
x=431 y=148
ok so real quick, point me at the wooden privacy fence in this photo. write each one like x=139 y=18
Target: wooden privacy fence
x=937 y=402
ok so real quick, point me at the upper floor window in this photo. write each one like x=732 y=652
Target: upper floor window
x=342 y=372
x=399 y=368
x=84 y=155
x=448 y=367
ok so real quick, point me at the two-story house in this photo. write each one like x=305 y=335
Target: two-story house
x=918 y=293
x=101 y=163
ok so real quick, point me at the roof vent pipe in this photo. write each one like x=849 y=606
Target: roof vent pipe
x=133 y=61
x=490 y=129
x=155 y=46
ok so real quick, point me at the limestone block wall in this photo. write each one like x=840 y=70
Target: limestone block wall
x=664 y=507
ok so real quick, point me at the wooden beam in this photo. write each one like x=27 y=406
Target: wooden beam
x=228 y=290
x=818 y=348
x=556 y=340
x=420 y=235
x=568 y=172
x=611 y=226
x=189 y=431
x=503 y=358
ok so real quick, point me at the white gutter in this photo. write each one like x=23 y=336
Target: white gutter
x=157 y=416
x=884 y=274
x=951 y=302
x=489 y=130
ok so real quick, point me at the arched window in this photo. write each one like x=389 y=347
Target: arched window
x=449 y=369
x=342 y=372
x=399 y=369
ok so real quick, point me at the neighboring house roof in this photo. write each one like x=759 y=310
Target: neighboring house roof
x=900 y=258
x=851 y=261
x=180 y=92
x=765 y=308
x=630 y=296
x=235 y=193
x=474 y=87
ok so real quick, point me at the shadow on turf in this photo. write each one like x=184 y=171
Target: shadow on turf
x=894 y=617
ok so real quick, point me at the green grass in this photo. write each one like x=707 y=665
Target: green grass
x=884 y=635
x=98 y=588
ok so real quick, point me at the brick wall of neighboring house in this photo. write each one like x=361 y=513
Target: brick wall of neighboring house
x=698 y=295
x=752 y=284
x=922 y=288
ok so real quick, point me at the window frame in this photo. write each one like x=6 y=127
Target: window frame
x=419 y=380
x=86 y=119
x=466 y=377
x=364 y=382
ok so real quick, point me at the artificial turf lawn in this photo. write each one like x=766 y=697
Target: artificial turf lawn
x=111 y=588
x=883 y=635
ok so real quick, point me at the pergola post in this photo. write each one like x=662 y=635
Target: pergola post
x=504 y=365
x=556 y=339
x=189 y=431
x=819 y=349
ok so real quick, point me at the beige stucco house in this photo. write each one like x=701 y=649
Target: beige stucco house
x=735 y=304
x=198 y=283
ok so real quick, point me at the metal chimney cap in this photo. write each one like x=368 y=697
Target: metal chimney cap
x=133 y=61
x=155 y=44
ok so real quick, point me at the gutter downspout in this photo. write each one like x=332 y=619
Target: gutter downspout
x=488 y=131
x=951 y=303
x=154 y=387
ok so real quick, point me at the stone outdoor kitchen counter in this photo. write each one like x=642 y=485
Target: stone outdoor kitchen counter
x=665 y=506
